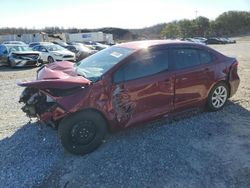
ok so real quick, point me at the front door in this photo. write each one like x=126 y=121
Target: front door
x=143 y=88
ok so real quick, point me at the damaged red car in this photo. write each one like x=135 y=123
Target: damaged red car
x=125 y=85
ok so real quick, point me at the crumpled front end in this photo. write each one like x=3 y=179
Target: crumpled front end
x=21 y=60
x=56 y=93
x=40 y=105
x=51 y=105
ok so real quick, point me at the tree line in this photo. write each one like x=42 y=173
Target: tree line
x=49 y=30
x=229 y=23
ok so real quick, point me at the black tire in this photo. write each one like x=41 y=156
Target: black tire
x=12 y=65
x=72 y=132
x=216 y=101
x=50 y=59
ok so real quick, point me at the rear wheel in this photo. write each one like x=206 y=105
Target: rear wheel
x=83 y=132
x=217 y=97
x=50 y=59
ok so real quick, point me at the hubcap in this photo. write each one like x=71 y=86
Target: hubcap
x=83 y=132
x=219 y=96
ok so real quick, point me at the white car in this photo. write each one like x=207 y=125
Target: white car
x=52 y=52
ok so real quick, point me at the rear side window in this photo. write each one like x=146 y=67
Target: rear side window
x=146 y=64
x=205 y=57
x=184 y=58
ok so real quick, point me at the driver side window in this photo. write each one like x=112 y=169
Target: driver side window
x=149 y=63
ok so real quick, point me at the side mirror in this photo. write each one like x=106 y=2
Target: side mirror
x=44 y=50
x=5 y=52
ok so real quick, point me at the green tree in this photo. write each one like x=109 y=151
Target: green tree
x=201 y=25
x=170 y=31
x=233 y=22
x=186 y=28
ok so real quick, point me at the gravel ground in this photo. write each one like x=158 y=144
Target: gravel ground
x=205 y=150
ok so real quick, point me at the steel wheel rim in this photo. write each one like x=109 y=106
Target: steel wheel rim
x=219 y=97
x=83 y=132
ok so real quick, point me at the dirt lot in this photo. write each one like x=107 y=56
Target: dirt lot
x=205 y=150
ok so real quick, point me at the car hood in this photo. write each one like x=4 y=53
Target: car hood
x=63 y=52
x=59 y=75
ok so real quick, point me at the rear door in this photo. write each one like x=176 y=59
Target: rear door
x=143 y=88
x=194 y=76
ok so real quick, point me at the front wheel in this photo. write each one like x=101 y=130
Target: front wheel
x=50 y=59
x=217 y=97
x=83 y=132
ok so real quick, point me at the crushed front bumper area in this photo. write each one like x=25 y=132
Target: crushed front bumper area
x=39 y=105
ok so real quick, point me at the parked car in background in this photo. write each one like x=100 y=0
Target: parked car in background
x=96 y=45
x=201 y=39
x=32 y=44
x=14 y=42
x=60 y=43
x=53 y=52
x=227 y=40
x=215 y=40
x=81 y=50
x=125 y=85
x=194 y=40
x=17 y=55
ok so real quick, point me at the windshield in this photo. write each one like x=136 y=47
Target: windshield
x=54 y=47
x=18 y=48
x=94 y=66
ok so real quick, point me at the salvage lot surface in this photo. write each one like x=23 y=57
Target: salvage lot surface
x=205 y=150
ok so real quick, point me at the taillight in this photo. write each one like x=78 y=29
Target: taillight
x=235 y=64
x=234 y=70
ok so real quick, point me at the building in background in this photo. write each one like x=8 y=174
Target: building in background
x=92 y=36
x=66 y=37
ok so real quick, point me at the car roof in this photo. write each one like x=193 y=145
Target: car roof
x=41 y=43
x=136 y=45
x=15 y=45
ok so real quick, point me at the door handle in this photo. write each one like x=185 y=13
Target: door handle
x=167 y=81
x=206 y=70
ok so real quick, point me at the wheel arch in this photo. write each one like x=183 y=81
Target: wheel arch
x=93 y=110
x=225 y=81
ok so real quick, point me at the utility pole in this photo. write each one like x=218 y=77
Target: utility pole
x=196 y=13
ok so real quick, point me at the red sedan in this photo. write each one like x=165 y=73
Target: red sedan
x=125 y=85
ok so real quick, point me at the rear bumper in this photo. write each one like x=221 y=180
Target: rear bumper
x=234 y=84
